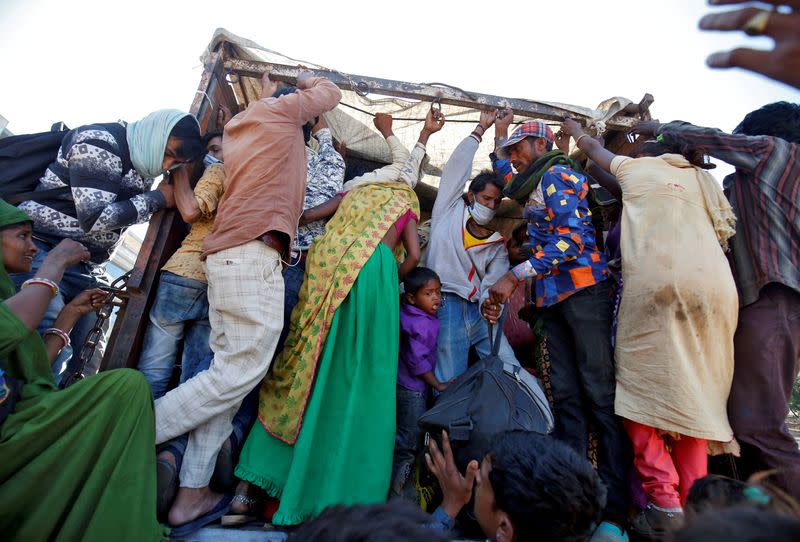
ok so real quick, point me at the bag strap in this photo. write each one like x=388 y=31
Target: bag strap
x=495 y=331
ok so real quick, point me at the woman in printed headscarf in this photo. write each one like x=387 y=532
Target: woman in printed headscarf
x=75 y=464
x=102 y=177
x=677 y=317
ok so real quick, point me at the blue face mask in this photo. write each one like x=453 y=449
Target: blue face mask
x=209 y=160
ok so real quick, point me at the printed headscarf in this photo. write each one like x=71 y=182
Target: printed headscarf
x=147 y=140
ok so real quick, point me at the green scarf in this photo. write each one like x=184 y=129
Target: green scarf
x=147 y=140
x=521 y=186
x=9 y=215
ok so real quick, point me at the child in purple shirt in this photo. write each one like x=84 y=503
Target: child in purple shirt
x=419 y=332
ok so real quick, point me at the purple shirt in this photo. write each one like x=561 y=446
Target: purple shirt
x=419 y=332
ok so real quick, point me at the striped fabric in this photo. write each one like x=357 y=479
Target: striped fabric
x=765 y=195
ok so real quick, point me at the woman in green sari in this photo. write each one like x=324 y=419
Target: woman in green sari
x=79 y=463
x=327 y=409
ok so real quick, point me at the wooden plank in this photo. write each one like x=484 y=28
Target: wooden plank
x=164 y=235
x=445 y=94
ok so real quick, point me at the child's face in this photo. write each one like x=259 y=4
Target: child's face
x=429 y=297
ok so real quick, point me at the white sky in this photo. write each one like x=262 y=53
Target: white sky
x=85 y=61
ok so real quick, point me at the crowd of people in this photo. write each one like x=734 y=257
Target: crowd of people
x=295 y=340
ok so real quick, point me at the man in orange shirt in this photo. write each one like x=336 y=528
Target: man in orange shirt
x=265 y=166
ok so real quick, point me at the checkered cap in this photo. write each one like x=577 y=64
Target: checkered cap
x=531 y=128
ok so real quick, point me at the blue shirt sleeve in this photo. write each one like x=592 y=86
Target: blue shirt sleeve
x=442 y=522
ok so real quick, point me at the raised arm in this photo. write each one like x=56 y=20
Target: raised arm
x=741 y=151
x=400 y=155
x=314 y=96
x=410 y=173
x=458 y=168
x=591 y=147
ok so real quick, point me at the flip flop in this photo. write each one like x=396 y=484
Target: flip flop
x=167 y=486
x=215 y=513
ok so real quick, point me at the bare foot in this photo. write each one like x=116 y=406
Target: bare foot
x=191 y=503
x=243 y=502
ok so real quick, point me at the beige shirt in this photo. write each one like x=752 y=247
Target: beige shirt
x=679 y=309
x=265 y=164
x=186 y=261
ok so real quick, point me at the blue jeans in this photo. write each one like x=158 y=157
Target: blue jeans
x=76 y=279
x=461 y=326
x=408 y=439
x=582 y=377
x=293 y=280
x=179 y=314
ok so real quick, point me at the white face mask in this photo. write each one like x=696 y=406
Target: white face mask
x=480 y=213
x=209 y=160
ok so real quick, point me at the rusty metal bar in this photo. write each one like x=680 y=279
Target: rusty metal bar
x=445 y=94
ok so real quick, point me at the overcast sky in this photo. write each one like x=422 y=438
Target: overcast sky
x=85 y=61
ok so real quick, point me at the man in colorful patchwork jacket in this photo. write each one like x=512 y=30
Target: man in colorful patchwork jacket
x=573 y=287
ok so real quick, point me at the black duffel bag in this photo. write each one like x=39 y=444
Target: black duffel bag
x=24 y=159
x=488 y=398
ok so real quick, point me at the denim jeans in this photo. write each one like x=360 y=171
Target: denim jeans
x=582 y=378
x=179 y=315
x=408 y=439
x=76 y=279
x=461 y=326
x=293 y=280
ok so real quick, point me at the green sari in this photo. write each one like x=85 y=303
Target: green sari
x=75 y=464
x=336 y=447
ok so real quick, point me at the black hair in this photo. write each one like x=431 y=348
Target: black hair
x=15 y=225
x=740 y=524
x=393 y=521
x=290 y=89
x=549 y=492
x=188 y=132
x=417 y=278
x=779 y=119
x=694 y=155
x=548 y=145
x=485 y=178
x=714 y=492
x=211 y=135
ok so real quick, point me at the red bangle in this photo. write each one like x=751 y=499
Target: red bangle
x=59 y=333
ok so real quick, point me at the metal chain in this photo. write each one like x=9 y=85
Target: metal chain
x=117 y=296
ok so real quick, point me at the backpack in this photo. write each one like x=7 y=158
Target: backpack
x=488 y=398
x=24 y=159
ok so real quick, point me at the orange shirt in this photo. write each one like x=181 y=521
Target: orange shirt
x=265 y=166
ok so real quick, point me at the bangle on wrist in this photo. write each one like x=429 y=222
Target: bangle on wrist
x=58 y=333
x=483 y=130
x=44 y=282
x=577 y=141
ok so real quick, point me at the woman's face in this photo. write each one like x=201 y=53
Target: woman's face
x=18 y=248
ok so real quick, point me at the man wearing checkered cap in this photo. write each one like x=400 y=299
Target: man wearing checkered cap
x=573 y=289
